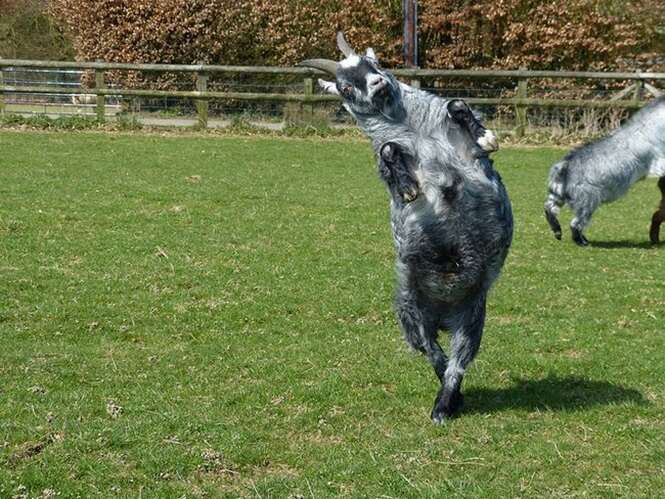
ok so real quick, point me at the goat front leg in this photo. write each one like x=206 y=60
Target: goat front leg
x=461 y=113
x=396 y=171
x=466 y=329
x=659 y=216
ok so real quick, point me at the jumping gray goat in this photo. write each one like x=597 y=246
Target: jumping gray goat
x=450 y=214
x=604 y=170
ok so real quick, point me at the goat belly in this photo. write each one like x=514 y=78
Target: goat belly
x=445 y=275
x=445 y=288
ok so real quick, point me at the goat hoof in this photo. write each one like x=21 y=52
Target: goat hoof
x=389 y=153
x=579 y=238
x=442 y=411
x=654 y=231
x=581 y=241
x=438 y=418
x=488 y=142
x=410 y=196
x=558 y=235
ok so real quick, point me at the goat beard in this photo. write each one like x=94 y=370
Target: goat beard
x=392 y=109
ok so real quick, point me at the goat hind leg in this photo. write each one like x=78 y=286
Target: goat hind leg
x=659 y=216
x=552 y=205
x=577 y=226
x=418 y=333
x=435 y=355
x=657 y=219
x=466 y=333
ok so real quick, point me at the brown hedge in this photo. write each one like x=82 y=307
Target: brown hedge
x=540 y=34
x=224 y=31
x=27 y=32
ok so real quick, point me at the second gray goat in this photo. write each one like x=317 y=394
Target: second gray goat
x=604 y=170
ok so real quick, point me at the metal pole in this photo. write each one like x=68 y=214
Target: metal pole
x=410 y=14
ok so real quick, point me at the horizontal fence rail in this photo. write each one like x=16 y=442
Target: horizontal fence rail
x=413 y=73
x=629 y=98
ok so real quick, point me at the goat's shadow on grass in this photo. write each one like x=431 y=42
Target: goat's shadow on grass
x=551 y=393
x=625 y=244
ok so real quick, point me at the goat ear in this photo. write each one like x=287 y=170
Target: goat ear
x=370 y=53
x=328 y=86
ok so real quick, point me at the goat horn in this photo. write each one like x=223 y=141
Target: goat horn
x=323 y=64
x=343 y=46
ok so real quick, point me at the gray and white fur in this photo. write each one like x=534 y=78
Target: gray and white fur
x=450 y=214
x=603 y=171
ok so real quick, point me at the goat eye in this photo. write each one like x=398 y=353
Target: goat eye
x=347 y=89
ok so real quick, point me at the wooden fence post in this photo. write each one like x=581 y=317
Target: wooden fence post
x=520 y=110
x=308 y=108
x=101 y=100
x=202 y=105
x=2 y=93
x=637 y=93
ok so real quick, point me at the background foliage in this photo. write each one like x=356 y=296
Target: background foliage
x=27 y=31
x=585 y=34
x=540 y=34
x=223 y=31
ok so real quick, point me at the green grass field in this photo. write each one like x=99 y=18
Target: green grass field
x=202 y=316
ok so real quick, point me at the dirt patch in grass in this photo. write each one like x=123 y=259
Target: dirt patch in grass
x=31 y=449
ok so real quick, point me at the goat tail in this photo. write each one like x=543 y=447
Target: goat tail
x=556 y=197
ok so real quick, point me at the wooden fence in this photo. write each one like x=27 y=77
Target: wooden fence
x=630 y=97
